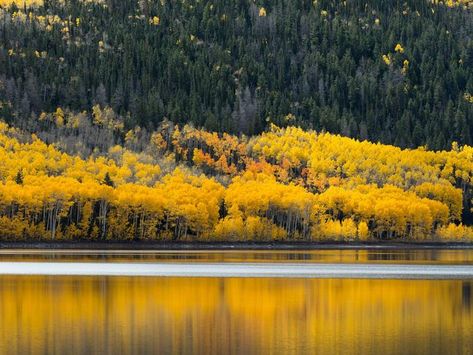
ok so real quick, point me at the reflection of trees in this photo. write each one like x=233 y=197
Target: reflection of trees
x=216 y=316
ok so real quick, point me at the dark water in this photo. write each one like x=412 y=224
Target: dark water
x=391 y=256
x=147 y=315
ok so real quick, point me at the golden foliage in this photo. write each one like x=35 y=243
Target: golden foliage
x=284 y=184
x=455 y=232
x=20 y=3
x=399 y=48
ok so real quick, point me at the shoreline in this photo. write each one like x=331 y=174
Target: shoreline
x=225 y=246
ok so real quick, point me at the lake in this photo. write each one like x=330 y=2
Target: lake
x=236 y=315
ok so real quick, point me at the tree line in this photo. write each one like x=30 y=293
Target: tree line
x=395 y=72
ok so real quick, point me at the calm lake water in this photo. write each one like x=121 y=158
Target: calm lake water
x=167 y=315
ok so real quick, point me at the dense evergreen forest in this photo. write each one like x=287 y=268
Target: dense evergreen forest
x=389 y=71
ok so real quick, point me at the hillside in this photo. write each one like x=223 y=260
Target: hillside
x=396 y=72
x=236 y=120
x=189 y=184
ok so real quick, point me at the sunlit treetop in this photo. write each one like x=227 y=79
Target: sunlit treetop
x=21 y=3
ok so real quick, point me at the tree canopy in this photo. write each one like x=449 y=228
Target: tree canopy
x=286 y=184
x=396 y=72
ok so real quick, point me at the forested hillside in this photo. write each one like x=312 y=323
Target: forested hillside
x=236 y=120
x=396 y=72
x=189 y=184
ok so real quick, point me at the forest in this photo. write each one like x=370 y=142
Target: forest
x=192 y=185
x=236 y=120
x=395 y=72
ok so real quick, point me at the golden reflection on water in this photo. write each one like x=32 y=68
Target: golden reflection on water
x=411 y=256
x=126 y=315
